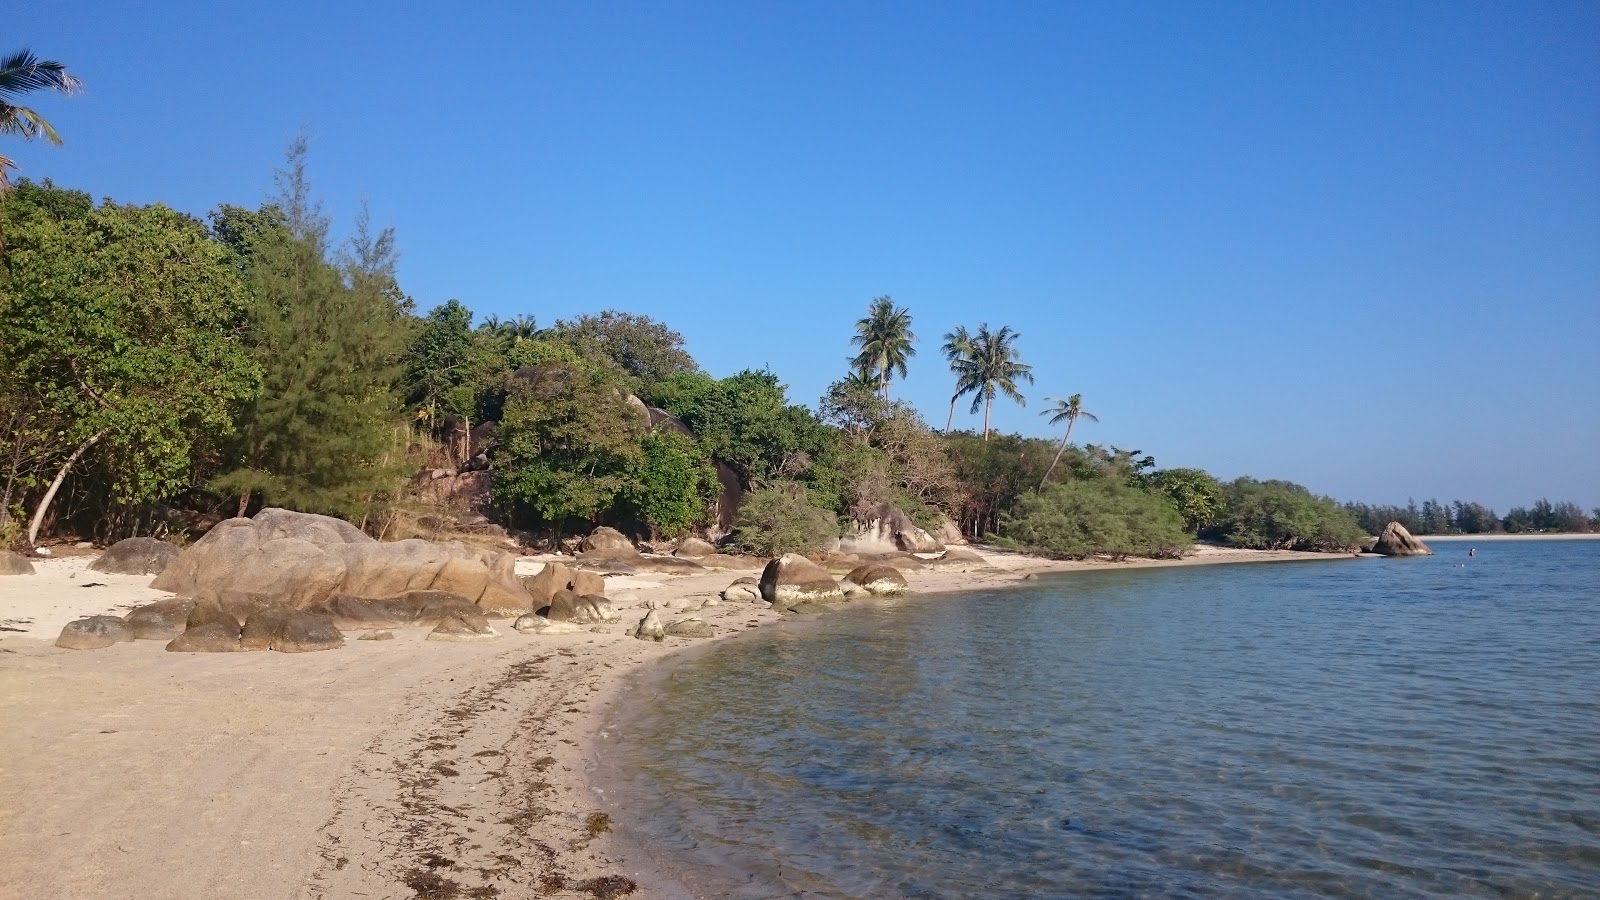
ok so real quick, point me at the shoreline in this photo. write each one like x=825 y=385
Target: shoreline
x=385 y=769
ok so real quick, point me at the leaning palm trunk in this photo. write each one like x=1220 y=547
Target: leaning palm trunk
x=952 y=420
x=1059 y=450
x=49 y=495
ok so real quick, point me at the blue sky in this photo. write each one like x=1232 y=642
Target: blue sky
x=1355 y=245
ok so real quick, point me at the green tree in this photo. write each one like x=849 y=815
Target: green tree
x=992 y=366
x=1282 y=515
x=568 y=444
x=674 y=485
x=120 y=327
x=957 y=349
x=23 y=73
x=1075 y=519
x=1196 y=495
x=329 y=338
x=645 y=349
x=746 y=421
x=1070 y=411
x=782 y=519
x=885 y=341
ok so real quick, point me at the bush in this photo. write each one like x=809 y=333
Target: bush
x=1075 y=519
x=1282 y=515
x=782 y=520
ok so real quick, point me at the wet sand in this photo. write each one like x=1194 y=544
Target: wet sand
x=387 y=769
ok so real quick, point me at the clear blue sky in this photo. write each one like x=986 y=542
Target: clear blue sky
x=1352 y=244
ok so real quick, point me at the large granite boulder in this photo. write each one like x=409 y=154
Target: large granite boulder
x=694 y=548
x=580 y=609
x=1397 y=541
x=605 y=543
x=791 y=579
x=12 y=563
x=878 y=579
x=949 y=533
x=94 y=633
x=162 y=620
x=883 y=527
x=136 y=556
x=288 y=631
x=283 y=558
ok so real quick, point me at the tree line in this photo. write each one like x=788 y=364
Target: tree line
x=1466 y=517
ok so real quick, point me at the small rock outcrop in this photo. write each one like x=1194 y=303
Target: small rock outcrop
x=605 y=543
x=650 y=628
x=463 y=629
x=878 y=579
x=958 y=559
x=136 y=556
x=743 y=589
x=580 y=609
x=533 y=623
x=12 y=563
x=162 y=620
x=94 y=633
x=694 y=548
x=691 y=628
x=543 y=585
x=287 y=631
x=1397 y=541
x=884 y=527
x=792 y=579
x=213 y=637
x=379 y=634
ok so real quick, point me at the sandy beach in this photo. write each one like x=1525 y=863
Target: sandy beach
x=387 y=769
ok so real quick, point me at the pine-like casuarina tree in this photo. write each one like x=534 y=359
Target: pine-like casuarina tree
x=328 y=339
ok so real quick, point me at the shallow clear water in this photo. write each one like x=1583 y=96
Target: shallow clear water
x=1360 y=728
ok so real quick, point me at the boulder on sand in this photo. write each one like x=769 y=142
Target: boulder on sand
x=215 y=637
x=747 y=589
x=604 y=543
x=283 y=558
x=12 y=563
x=580 y=609
x=136 y=556
x=543 y=585
x=1397 y=541
x=162 y=620
x=650 y=628
x=287 y=631
x=463 y=629
x=691 y=628
x=883 y=527
x=94 y=633
x=878 y=579
x=958 y=559
x=791 y=579
x=694 y=548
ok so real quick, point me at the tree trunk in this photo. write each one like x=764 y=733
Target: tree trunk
x=244 y=504
x=1059 y=450
x=987 y=402
x=49 y=495
x=952 y=420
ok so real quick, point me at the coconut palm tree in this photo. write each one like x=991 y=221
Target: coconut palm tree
x=885 y=340
x=992 y=366
x=22 y=73
x=1070 y=411
x=957 y=347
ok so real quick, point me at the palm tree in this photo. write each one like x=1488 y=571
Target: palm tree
x=20 y=73
x=1069 y=411
x=957 y=347
x=993 y=364
x=885 y=340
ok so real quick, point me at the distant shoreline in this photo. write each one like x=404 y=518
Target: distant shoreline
x=1488 y=538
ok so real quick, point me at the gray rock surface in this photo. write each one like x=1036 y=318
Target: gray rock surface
x=162 y=620
x=586 y=609
x=650 y=628
x=214 y=637
x=463 y=629
x=885 y=527
x=12 y=563
x=533 y=623
x=691 y=628
x=94 y=633
x=694 y=548
x=379 y=634
x=878 y=579
x=136 y=556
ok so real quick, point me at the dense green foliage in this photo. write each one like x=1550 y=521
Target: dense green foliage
x=1196 y=496
x=674 y=486
x=1075 y=519
x=782 y=519
x=1460 y=517
x=1281 y=515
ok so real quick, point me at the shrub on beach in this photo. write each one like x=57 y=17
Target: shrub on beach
x=1282 y=515
x=1075 y=519
x=782 y=520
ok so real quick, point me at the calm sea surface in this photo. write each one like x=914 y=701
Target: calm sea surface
x=1361 y=728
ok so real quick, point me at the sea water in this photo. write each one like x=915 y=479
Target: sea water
x=1354 y=728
